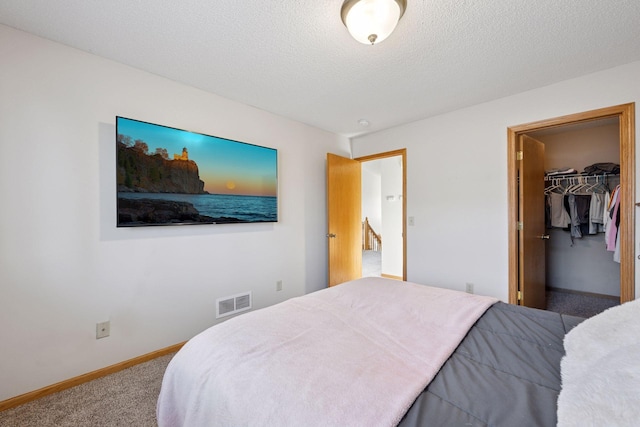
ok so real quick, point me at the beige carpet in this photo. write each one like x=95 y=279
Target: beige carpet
x=371 y=263
x=126 y=398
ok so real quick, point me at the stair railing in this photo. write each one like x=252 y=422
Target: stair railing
x=371 y=241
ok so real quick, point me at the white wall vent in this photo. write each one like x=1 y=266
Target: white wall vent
x=233 y=304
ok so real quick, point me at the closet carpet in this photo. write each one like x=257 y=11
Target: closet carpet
x=578 y=304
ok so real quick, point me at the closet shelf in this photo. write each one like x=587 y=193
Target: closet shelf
x=580 y=175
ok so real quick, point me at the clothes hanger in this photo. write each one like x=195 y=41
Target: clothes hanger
x=555 y=185
x=574 y=183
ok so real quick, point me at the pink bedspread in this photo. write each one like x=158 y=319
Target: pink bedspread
x=356 y=354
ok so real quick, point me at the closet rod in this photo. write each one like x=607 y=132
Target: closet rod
x=580 y=175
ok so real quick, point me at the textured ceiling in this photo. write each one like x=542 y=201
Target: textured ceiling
x=296 y=59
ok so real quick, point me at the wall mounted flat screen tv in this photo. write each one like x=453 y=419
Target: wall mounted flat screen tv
x=168 y=176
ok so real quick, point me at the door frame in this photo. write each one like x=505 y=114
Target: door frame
x=403 y=153
x=626 y=117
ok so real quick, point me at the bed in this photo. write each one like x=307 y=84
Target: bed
x=373 y=352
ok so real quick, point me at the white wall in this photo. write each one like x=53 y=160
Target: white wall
x=457 y=176
x=371 y=196
x=63 y=263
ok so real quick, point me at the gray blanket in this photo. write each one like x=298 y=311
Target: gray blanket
x=506 y=372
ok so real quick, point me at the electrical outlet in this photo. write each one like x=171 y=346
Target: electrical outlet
x=279 y=285
x=469 y=288
x=103 y=329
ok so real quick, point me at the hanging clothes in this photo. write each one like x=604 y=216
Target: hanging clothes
x=582 y=205
x=612 y=227
x=606 y=219
x=596 y=213
x=559 y=216
x=570 y=203
x=613 y=235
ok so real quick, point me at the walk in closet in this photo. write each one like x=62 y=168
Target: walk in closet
x=582 y=263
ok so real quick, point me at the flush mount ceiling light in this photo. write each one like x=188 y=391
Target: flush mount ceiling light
x=371 y=21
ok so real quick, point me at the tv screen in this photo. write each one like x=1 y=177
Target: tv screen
x=168 y=176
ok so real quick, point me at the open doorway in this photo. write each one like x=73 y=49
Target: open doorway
x=383 y=195
x=382 y=213
x=520 y=284
x=344 y=206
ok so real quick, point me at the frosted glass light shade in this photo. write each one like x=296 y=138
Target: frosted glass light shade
x=372 y=21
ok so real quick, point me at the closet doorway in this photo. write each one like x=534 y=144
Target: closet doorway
x=527 y=269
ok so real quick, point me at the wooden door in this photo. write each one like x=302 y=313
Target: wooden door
x=344 y=193
x=532 y=234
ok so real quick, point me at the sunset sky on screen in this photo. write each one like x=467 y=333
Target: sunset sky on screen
x=225 y=166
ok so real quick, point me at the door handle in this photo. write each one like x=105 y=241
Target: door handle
x=544 y=236
x=331 y=235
